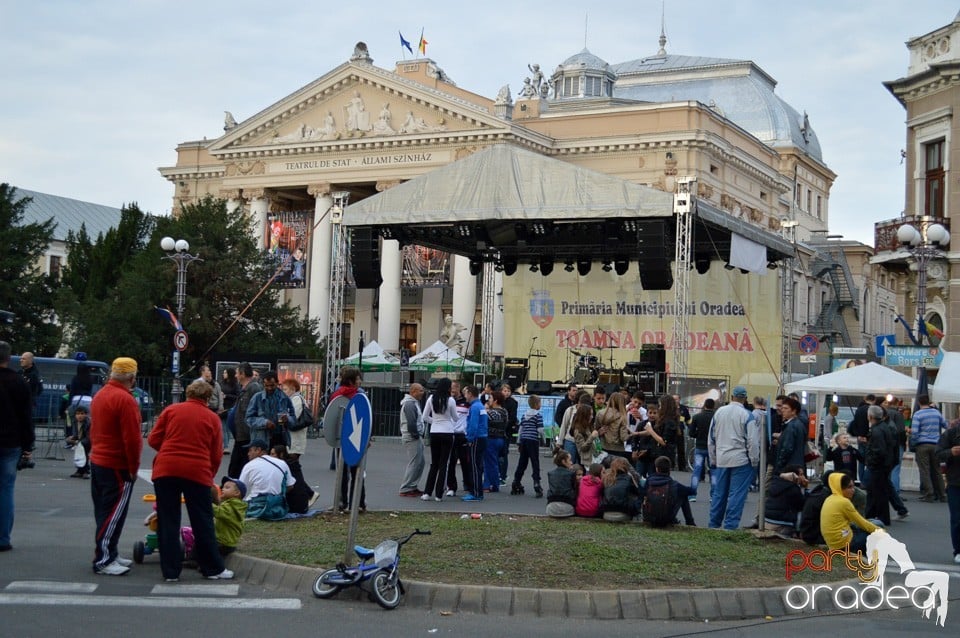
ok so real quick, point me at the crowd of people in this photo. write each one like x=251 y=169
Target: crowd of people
x=613 y=457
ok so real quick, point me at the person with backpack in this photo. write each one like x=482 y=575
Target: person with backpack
x=809 y=525
x=785 y=501
x=665 y=497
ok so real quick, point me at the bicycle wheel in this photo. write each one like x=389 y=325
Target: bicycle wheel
x=326 y=586
x=386 y=589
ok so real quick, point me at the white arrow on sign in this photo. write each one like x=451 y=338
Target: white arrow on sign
x=355 y=434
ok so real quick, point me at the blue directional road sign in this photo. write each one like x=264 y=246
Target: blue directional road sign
x=355 y=430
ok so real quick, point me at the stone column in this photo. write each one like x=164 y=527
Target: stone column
x=234 y=202
x=259 y=206
x=431 y=317
x=388 y=323
x=464 y=298
x=363 y=319
x=318 y=278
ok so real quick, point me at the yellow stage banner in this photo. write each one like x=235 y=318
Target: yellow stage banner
x=733 y=330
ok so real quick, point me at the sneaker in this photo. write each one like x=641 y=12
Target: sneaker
x=224 y=575
x=503 y=481
x=956 y=559
x=450 y=493
x=692 y=499
x=412 y=493
x=437 y=499
x=426 y=497
x=112 y=569
x=902 y=515
x=471 y=497
x=171 y=580
x=126 y=562
x=313 y=499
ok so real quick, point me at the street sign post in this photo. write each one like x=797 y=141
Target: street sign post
x=354 y=436
x=355 y=429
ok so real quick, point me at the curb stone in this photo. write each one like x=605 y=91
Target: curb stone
x=652 y=604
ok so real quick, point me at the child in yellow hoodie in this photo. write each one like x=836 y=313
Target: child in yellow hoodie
x=841 y=524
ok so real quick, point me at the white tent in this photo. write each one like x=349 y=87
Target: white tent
x=374 y=358
x=439 y=357
x=947 y=387
x=869 y=378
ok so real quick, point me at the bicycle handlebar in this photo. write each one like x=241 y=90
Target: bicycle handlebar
x=415 y=532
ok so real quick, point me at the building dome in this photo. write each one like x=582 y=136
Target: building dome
x=585 y=60
x=583 y=75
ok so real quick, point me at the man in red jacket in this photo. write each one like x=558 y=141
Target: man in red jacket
x=116 y=445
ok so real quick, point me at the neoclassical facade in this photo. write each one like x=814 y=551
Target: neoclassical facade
x=930 y=93
x=362 y=130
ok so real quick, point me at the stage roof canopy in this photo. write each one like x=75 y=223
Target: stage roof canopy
x=507 y=204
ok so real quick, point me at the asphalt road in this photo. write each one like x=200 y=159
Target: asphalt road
x=48 y=589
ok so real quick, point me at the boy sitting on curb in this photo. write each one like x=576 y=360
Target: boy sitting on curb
x=229 y=510
x=665 y=497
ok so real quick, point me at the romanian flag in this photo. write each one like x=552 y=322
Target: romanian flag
x=933 y=331
x=168 y=315
x=423 y=44
x=405 y=43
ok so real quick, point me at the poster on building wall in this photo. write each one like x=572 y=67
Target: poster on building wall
x=425 y=267
x=308 y=375
x=287 y=243
x=734 y=323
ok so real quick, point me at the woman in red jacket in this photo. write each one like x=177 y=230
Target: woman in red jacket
x=188 y=439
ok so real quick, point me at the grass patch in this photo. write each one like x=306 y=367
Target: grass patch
x=528 y=551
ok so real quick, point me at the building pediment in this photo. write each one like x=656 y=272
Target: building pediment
x=357 y=104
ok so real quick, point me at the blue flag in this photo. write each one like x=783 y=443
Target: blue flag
x=405 y=43
x=910 y=335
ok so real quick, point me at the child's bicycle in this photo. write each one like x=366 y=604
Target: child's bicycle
x=383 y=571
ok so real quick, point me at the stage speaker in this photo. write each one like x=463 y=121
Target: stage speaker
x=656 y=275
x=539 y=387
x=583 y=376
x=514 y=377
x=653 y=360
x=613 y=378
x=365 y=258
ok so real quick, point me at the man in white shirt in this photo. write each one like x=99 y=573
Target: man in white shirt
x=264 y=475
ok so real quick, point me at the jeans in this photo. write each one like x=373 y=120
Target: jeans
x=895 y=474
x=205 y=550
x=729 y=486
x=8 y=477
x=571 y=447
x=699 y=458
x=491 y=463
x=529 y=451
x=858 y=543
x=953 y=502
x=414 y=449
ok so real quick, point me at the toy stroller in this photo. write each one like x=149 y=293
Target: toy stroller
x=150 y=543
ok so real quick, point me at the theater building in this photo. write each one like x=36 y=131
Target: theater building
x=643 y=124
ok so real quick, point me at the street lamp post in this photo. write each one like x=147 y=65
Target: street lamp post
x=924 y=245
x=176 y=250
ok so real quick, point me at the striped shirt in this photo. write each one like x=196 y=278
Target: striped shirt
x=530 y=426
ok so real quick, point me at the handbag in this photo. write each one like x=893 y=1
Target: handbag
x=79 y=456
x=812 y=453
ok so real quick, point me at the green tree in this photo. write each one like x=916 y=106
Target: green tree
x=229 y=277
x=24 y=289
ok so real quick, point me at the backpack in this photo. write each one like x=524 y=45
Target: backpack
x=305 y=419
x=658 y=505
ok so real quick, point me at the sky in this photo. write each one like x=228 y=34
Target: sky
x=97 y=94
